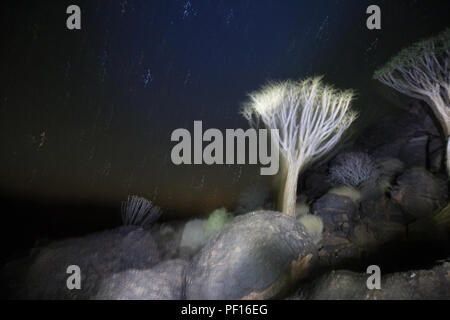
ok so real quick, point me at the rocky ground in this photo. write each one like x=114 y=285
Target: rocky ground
x=397 y=218
x=395 y=210
x=428 y=284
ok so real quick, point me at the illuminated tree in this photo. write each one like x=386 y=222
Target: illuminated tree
x=310 y=117
x=422 y=71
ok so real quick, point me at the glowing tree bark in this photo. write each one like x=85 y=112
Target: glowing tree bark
x=310 y=118
x=422 y=71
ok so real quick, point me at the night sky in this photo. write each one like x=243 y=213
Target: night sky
x=86 y=116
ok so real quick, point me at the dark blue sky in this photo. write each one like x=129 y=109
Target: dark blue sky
x=87 y=115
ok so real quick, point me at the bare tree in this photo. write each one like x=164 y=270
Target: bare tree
x=310 y=117
x=422 y=71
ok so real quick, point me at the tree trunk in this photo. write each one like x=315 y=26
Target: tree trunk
x=289 y=199
x=447 y=156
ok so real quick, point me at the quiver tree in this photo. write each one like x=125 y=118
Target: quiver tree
x=422 y=71
x=310 y=117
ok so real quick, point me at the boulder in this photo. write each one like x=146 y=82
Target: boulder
x=405 y=137
x=373 y=189
x=337 y=252
x=390 y=168
x=414 y=152
x=98 y=256
x=165 y=281
x=436 y=154
x=382 y=209
x=371 y=235
x=258 y=255
x=386 y=137
x=337 y=213
x=420 y=193
x=411 y=285
x=430 y=124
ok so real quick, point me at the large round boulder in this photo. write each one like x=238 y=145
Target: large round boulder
x=257 y=256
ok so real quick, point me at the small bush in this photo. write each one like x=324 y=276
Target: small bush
x=138 y=211
x=216 y=221
x=314 y=226
x=352 y=169
x=302 y=207
x=193 y=236
x=348 y=192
